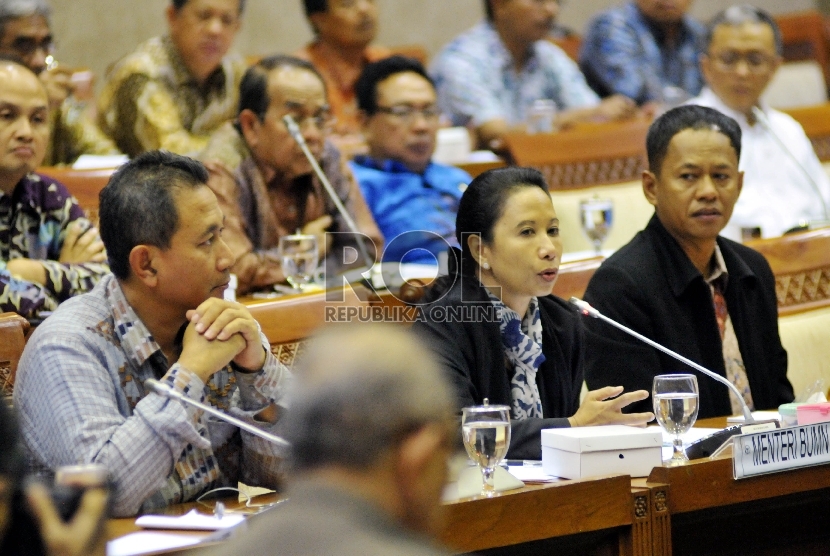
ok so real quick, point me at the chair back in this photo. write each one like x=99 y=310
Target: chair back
x=13 y=330
x=816 y=123
x=801 y=265
x=805 y=37
x=588 y=154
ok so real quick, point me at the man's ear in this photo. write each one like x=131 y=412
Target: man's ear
x=650 y=187
x=315 y=20
x=249 y=124
x=416 y=451
x=171 y=14
x=142 y=260
x=705 y=64
x=740 y=182
x=363 y=119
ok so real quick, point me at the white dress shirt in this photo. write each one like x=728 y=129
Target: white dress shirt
x=777 y=194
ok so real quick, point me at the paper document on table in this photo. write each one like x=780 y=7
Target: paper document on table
x=531 y=473
x=145 y=543
x=757 y=415
x=191 y=521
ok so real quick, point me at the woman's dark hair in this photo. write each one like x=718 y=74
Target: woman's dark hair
x=481 y=206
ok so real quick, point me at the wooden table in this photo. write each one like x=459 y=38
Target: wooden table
x=711 y=513
x=692 y=509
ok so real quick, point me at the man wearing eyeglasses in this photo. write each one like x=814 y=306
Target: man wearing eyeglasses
x=784 y=182
x=174 y=91
x=264 y=183
x=413 y=199
x=25 y=34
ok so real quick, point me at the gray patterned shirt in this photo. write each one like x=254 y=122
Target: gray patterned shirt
x=81 y=399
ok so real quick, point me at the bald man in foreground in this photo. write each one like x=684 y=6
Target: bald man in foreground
x=371 y=432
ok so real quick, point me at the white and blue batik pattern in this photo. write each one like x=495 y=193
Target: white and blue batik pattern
x=522 y=341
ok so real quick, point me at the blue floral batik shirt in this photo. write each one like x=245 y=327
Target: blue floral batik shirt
x=625 y=53
x=33 y=222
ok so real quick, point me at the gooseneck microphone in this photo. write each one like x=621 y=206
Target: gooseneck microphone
x=296 y=134
x=765 y=123
x=586 y=309
x=168 y=392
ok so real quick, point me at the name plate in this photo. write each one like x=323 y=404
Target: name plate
x=777 y=450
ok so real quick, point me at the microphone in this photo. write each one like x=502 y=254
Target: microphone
x=586 y=309
x=168 y=392
x=765 y=123
x=296 y=134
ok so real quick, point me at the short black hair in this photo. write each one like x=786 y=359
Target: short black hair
x=137 y=207
x=366 y=87
x=735 y=16
x=664 y=128
x=315 y=6
x=253 y=90
x=488 y=10
x=179 y=4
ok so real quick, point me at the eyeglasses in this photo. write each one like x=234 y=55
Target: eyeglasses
x=406 y=113
x=26 y=46
x=322 y=119
x=756 y=62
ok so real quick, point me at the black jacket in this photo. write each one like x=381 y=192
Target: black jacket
x=651 y=286
x=473 y=357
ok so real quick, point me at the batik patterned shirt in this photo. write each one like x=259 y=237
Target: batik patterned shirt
x=33 y=222
x=81 y=398
x=73 y=133
x=625 y=53
x=151 y=101
x=476 y=79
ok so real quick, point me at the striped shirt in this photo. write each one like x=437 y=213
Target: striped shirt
x=81 y=399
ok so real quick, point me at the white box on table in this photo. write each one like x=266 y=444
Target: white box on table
x=574 y=453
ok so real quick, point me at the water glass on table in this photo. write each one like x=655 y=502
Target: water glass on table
x=299 y=259
x=486 y=432
x=675 y=399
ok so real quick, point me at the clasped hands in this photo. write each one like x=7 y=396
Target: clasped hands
x=217 y=333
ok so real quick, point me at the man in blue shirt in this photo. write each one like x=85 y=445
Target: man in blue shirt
x=412 y=199
x=647 y=50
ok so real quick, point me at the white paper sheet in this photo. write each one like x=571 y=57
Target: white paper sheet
x=191 y=521
x=145 y=542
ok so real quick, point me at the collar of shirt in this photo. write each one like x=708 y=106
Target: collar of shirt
x=138 y=343
x=182 y=75
x=708 y=97
x=718 y=271
x=434 y=175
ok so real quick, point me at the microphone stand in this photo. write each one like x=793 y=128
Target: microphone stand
x=765 y=123
x=586 y=309
x=168 y=392
x=375 y=278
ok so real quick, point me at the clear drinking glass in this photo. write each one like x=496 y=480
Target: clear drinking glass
x=675 y=399
x=299 y=259
x=541 y=116
x=597 y=215
x=486 y=432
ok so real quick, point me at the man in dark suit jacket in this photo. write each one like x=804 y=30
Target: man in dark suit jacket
x=679 y=283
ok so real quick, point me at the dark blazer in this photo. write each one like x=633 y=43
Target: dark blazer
x=473 y=357
x=651 y=286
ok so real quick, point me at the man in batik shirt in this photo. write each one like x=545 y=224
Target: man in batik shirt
x=175 y=90
x=25 y=34
x=48 y=250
